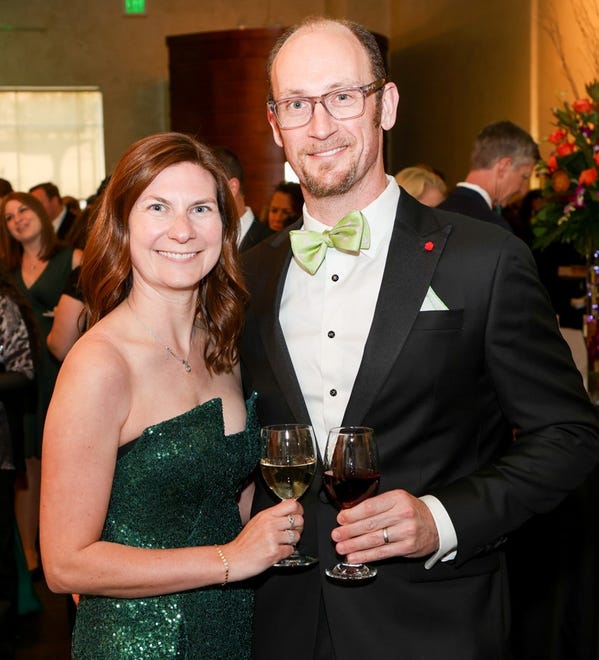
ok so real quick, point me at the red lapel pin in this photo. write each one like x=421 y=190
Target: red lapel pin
x=429 y=245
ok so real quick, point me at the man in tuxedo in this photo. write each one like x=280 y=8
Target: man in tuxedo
x=503 y=158
x=63 y=220
x=251 y=230
x=432 y=329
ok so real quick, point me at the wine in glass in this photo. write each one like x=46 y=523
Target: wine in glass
x=351 y=475
x=288 y=464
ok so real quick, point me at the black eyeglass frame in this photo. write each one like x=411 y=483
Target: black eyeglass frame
x=365 y=90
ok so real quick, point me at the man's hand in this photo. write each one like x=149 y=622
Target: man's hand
x=410 y=528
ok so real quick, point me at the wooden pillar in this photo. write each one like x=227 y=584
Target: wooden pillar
x=218 y=92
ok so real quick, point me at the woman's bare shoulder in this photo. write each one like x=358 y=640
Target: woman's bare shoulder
x=96 y=369
x=98 y=349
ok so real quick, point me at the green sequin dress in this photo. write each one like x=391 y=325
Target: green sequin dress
x=176 y=486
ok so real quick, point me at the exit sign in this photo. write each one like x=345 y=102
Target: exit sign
x=135 y=7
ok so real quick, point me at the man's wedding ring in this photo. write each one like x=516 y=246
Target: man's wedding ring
x=291 y=520
x=385 y=535
x=291 y=537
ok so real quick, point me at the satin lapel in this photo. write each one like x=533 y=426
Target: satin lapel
x=270 y=328
x=416 y=245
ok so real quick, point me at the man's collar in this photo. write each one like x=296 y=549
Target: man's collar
x=387 y=199
x=59 y=218
x=247 y=216
x=376 y=213
x=481 y=191
x=245 y=222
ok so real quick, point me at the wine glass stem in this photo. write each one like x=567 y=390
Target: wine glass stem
x=348 y=563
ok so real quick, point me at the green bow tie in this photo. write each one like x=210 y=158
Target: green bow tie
x=350 y=234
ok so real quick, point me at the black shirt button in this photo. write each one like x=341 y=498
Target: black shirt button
x=330 y=334
x=333 y=392
x=335 y=278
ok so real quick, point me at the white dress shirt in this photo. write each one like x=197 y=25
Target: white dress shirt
x=326 y=333
x=59 y=218
x=245 y=222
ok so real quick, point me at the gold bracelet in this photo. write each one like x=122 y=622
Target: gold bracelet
x=221 y=554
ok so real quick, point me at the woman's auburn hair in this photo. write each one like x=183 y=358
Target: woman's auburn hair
x=106 y=272
x=11 y=250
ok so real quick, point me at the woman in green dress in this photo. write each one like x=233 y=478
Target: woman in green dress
x=40 y=264
x=149 y=445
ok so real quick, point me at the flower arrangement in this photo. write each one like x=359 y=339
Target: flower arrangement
x=570 y=191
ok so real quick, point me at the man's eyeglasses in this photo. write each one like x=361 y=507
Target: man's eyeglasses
x=346 y=103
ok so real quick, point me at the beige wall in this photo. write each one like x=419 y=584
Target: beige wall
x=553 y=85
x=64 y=43
x=458 y=63
x=127 y=57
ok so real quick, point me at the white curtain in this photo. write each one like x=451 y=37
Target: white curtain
x=52 y=134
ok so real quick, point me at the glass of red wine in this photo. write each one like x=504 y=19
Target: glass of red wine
x=288 y=464
x=351 y=475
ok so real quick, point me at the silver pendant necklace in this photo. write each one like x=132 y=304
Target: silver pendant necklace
x=184 y=362
x=168 y=349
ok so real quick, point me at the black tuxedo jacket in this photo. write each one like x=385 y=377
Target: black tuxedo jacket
x=443 y=391
x=257 y=232
x=65 y=226
x=471 y=203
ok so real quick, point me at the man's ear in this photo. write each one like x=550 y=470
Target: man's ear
x=234 y=186
x=390 y=103
x=503 y=165
x=276 y=131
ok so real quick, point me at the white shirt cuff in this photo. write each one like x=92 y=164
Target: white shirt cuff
x=448 y=540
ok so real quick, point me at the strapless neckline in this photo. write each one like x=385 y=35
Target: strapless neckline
x=209 y=403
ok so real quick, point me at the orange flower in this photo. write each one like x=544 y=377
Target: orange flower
x=588 y=177
x=552 y=163
x=560 y=181
x=558 y=135
x=565 y=149
x=582 y=105
x=596 y=159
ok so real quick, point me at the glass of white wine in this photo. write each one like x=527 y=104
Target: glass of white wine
x=288 y=464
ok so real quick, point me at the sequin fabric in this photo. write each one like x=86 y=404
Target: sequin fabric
x=176 y=486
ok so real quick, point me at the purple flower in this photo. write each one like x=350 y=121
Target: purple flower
x=586 y=131
x=577 y=201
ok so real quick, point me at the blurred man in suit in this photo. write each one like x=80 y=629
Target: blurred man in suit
x=63 y=220
x=502 y=161
x=251 y=230
x=433 y=329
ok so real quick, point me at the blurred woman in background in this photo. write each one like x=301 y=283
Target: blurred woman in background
x=422 y=183
x=285 y=205
x=40 y=265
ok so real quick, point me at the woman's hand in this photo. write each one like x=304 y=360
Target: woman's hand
x=267 y=538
